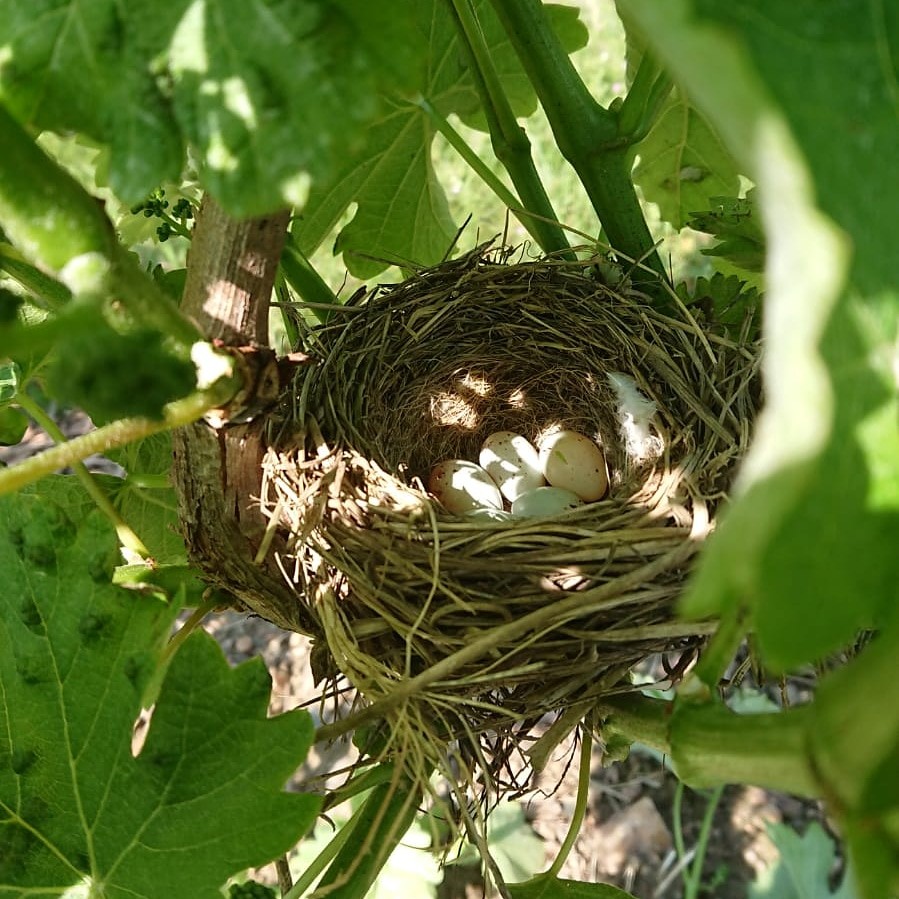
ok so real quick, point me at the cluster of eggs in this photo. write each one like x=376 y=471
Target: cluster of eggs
x=563 y=471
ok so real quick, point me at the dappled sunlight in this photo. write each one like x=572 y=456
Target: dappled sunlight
x=451 y=410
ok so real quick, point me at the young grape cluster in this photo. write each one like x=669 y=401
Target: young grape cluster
x=174 y=220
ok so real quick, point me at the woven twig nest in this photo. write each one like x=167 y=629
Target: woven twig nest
x=464 y=626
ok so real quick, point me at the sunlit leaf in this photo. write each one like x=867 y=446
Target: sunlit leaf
x=266 y=91
x=204 y=798
x=402 y=212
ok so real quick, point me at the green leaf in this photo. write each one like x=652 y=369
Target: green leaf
x=114 y=375
x=402 y=212
x=722 y=298
x=809 y=546
x=13 y=425
x=683 y=163
x=152 y=512
x=202 y=801
x=516 y=849
x=803 y=869
x=545 y=887
x=734 y=221
x=146 y=498
x=265 y=90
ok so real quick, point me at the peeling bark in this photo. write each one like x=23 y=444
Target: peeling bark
x=217 y=471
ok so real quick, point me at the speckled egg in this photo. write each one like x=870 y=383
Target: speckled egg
x=574 y=462
x=512 y=462
x=461 y=487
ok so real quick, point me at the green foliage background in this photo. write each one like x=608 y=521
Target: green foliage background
x=324 y=106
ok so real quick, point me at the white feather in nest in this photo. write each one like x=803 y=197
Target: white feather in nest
x=635 y=414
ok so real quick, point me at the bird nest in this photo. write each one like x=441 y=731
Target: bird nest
x=458 y=628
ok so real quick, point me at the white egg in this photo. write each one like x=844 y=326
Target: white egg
x=512 y=462
x=575 y=462
x=545 y=501
x=462 y=486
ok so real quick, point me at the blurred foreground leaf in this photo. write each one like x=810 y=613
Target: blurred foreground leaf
x=264 y=91
x=810 y=545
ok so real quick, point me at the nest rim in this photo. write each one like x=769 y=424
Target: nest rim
x=350 y=503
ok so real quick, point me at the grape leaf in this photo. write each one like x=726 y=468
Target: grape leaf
x=803 y=868
x=202 y=801
x=544 y=886
x=152 y=512
x=723 y=298
x=682 y=162
x=402 y=212
x=734 y=221
x=111 y=374
x=265 y=91
x=809 y=546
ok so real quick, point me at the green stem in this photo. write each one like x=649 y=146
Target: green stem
x=178 y=226
x=179 y=412
x=643 y=102
x=855 y=732
x=580 y=804
x=678 y=827
x=722 y=647
x=382 y=821
x=154 y=684
x=190 y=625
x=639 y=720
x=476 y=164
x=710 y=745
x=126 y=535
x=693 y=882
x=285 y=304
x=321 y=861
x=586 y=133
x=510 y=143
x=302 y=276
x=52 y=295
